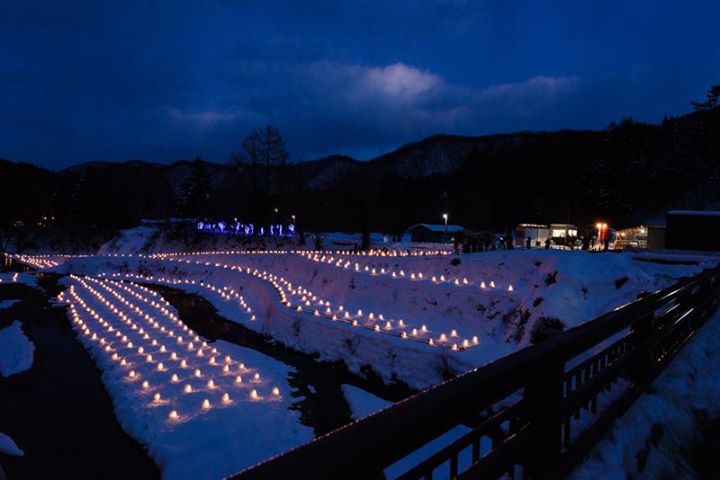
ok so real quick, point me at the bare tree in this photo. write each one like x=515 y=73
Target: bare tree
x=274 y=155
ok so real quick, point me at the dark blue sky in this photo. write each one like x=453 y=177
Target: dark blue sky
x=160 y=81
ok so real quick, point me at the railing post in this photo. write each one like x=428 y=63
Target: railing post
x=543 y=396
x=642 y=330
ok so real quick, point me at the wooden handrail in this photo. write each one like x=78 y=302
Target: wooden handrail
x=364 y=448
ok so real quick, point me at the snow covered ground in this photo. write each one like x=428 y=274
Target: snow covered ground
x=7 y=303
x=9 y=447
x=16 y=351
x=163 y=238
x=203 y=410
x=653 y=437
x=412 y=318
x=361 y=402
x=22 y=278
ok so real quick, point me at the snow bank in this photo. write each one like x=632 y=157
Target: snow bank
x=131 y=240
x=9 y=447
x=362 y=403
x=484 y=305
x=203 y=410
x=651 y=439
x=8 y=303
x=164 y=237
x=16 y=277
x=16 y=351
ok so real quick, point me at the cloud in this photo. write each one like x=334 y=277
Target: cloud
x=352 y=84
x=202 y=120
x=397 y=81
x=326 y=107
x=84 y=80
x=547 y=87
x=528 y=98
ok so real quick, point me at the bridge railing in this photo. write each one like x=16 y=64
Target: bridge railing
x=533 y=414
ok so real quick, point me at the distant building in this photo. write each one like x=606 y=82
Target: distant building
x=656 y=237
x=432 y=233
x=650 y=237
x=631 y=238
x=563 y=230
x=693 y=230
x=539 y=233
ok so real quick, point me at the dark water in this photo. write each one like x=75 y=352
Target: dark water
x=322 y=407
x=58 y=412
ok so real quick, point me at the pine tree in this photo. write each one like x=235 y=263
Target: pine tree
x=712 y=100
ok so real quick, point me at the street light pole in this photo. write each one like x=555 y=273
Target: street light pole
x=445 y=217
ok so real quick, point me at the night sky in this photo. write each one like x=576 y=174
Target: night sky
x=163 y=81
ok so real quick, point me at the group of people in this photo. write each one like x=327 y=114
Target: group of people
x=584 y=242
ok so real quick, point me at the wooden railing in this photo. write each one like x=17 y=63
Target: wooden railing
x=534 y=414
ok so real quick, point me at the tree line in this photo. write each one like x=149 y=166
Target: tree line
x=628 y=173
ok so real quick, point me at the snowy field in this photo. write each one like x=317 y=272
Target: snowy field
x=203 y=411
x=16 y=351
x=9 y=447
x=667 y=421
x=409 y=316
x=21 y=278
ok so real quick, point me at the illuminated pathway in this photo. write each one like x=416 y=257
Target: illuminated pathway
x=302 y=300
x=124 y=335
x=339 y=261
x=166 y=379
